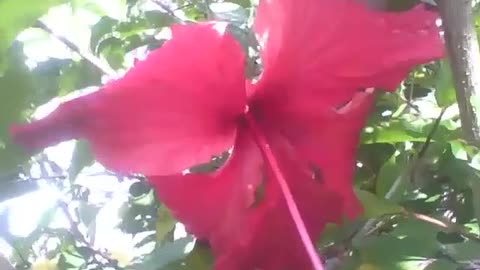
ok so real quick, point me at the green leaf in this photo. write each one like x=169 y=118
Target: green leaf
x=387 y=252
x=466 y=251
x=78 y=75
x=442 y=264
x=229 y=12
x=46 y=79
x=87 y=213
x=403 y=130
x=16 y=94
x=82 y=157
x=375 y=155
x=18 y=15
x=475 y=186
x=165 y=255
x=199 y=258
x=103 y=27
x=113 y=50
x=391 y=132
x=445 y=91
x=416 y=229
x=165 y=223
x=193 y=13
x=243 y=3
x=388 y=174
x=158 y=19
x=457 y=171
x=375 y=206
x=339 y=233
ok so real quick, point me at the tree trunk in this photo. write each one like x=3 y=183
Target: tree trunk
x=463 y=51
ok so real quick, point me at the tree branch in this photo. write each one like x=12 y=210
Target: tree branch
x=165 y=7
x=464 y=53
x=78 y=235
x=92 y=59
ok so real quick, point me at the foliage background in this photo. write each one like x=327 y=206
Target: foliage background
x=418 y=180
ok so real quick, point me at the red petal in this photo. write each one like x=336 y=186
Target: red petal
x=342 y=45
x=243 y=234
x=324 y=138
x=331 y=147
x=173 y=110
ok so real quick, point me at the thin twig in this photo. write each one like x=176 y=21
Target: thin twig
x=19 y=254
x=432 y=132
x=96 y=62
x=425 y=146
x=444 y=225
x=409 y=103
x=208 y=10
x=184 y=6
x=168 y=10
x=165 y=7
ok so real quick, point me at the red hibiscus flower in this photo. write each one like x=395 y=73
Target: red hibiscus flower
x=294 y=132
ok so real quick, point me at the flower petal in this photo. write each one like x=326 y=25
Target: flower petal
x=330 y=148
x=242 y=222
x=342 y=44
x=173 y=110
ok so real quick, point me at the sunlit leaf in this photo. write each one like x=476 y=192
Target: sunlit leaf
x=18 y=15
x=165 y=223
x=16 y=95
x=445 y=91
x=81 y=158
x=166 y=254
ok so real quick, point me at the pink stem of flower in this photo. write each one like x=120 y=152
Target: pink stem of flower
x=292 y=206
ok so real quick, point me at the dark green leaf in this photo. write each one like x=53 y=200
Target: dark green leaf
x=467 y=251
x=103 y=27
x=387 y=252
x=199 y=258
x=376 y=207
x=388 y=174
x=158 y=19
